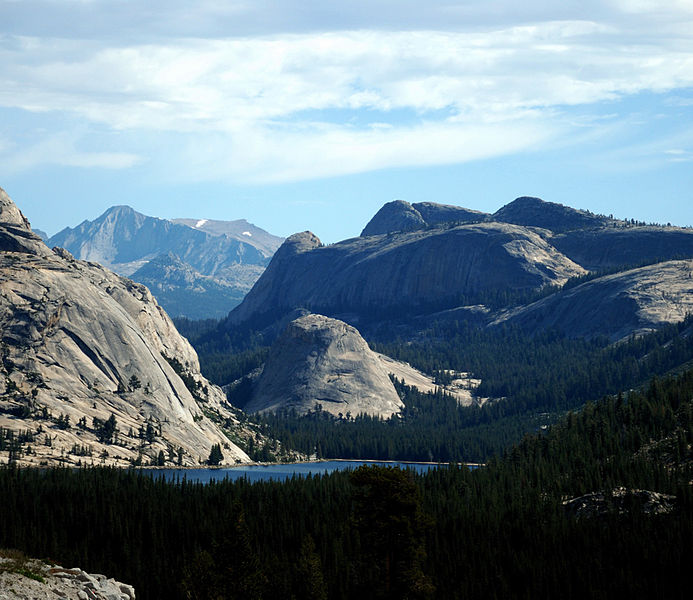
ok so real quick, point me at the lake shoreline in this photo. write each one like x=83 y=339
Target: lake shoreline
x=277 y=471
x=305 y=462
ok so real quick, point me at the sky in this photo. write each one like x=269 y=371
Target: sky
x=310 y=115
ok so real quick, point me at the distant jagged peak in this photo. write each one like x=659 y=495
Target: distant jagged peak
x=120 y=210
x=122 y=213
x=115 y=216
x=535 y=212
x=397 y=215
x=238 y=229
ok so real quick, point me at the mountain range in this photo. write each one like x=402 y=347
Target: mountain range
x=80 y=342
x=537 y=264
x=92 y=369
x=197 y=268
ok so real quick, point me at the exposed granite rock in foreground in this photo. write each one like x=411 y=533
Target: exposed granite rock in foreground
x=619 y=501
x=317 y=360
x=27 y=579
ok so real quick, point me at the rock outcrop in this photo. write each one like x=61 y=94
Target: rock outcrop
x=398 y=216
x=415 y=271
x=81 y=344
x=231 y=253
x=437 y=262
x=26 y=579
x=619 y=501
x=325 y=363
x=435 y=214
x=535 y=212
x=618 y=305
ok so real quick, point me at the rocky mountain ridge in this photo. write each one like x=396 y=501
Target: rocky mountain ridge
x=92 y=368
x=231 y=253
x=421 y=259
x=419 y=270
x=399 y=215
x=616 y=306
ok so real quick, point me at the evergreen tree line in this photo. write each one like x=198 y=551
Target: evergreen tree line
x=500 y=531
x=533 y=379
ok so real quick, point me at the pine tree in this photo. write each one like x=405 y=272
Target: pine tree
x=215 y=455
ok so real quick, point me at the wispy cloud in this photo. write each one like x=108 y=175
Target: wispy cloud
x=244 y=107
x=61 y=150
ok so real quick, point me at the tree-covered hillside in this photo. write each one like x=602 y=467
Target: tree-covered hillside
x=500 y=531
x=531 y=381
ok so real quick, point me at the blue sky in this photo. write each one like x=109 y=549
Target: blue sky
x=298 y=114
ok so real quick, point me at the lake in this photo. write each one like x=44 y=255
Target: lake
x=279 y=472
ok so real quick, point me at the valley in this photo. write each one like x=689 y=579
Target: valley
x=550 y=345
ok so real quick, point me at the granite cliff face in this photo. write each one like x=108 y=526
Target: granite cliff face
x=441 y=262
x=631 y=302
x=418 y=270
x=323 y=361
x=397 y=215
x=231 y=253
x=83 y=343
x=624 y=247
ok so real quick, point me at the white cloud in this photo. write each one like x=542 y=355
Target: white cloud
x=60 y=150
x=210 y=84
x=273 y=156
x=284 y=106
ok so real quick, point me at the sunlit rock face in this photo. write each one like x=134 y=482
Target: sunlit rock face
x=419 y=270
x=318 y=362
x=619 y=305
x=82 y=342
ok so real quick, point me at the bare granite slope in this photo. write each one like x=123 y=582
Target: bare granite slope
x=322 y=361
x=624 y=247
x=399 y=215
x=419 y=270
x=80 y=342
x=631 y=302
x=24 y=578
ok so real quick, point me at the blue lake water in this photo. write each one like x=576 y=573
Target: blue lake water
x=276 y=471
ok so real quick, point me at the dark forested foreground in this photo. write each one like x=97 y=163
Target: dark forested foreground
x=501 y=531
